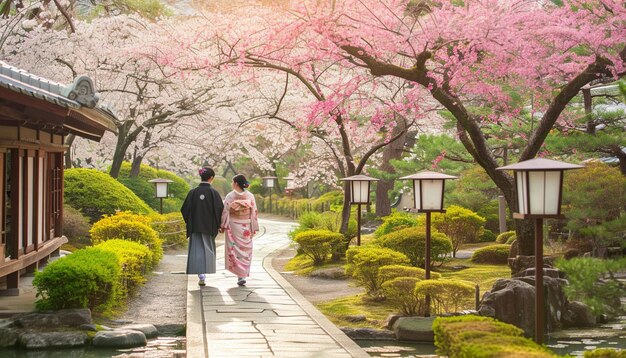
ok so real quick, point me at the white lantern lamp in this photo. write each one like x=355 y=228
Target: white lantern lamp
x=359 y=190
x=161 y=189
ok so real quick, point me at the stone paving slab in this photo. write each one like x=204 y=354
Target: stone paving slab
x=266 y=318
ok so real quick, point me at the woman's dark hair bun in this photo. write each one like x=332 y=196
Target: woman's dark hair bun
x=240 y=179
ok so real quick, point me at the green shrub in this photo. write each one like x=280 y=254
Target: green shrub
x=461 y=225
x=171 y=228
x=446 y=296
x=389 y=272
x=141 y=186
x=400 y=291
x=605 y=353
x=393 y=221
x=505 y=236
x=87 y=278
x=412 y=242
x=75 y=227
x=127 y=226
x=511 y=240
x=134 y=259
x=585 y=284
x=95 y=194
x=492 y=254
x=487 y=236
x=318 y=244
x=476 y=336
x=364 y=262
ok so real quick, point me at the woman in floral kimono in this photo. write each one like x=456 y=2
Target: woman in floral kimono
x=240 y=223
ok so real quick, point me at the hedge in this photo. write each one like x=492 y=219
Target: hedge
x=492 y=254
x=364 y=262
x=87 y=278
x=446 y=296
x=318 y=244
x=412 y=242
x=483 y=337
x=95 y=194
x=128 y=226
x=134 y=260
x=505 y=236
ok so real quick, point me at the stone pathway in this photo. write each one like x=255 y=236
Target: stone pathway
x=267 y=318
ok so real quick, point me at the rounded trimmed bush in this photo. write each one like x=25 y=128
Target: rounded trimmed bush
x=364 y=262
x=400 y=291
x=492 y=254
x=446 y=296
x=128 y=226
x=504 y=237
x=511 y=240
x=75 y=227
x=139 y=185
x=488 y=236
x=87 y=278
x=393 y=222
x=412 y=242
x=606 y=353
x=95 y=194
x=134 y=259
x=389 y=272
x=318 y=244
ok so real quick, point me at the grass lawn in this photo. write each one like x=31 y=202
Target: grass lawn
x=303 y=265
x=481 y=274
x=336 y=310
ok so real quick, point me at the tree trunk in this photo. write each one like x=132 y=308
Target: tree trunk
x=391 y=151
x=345 y=210
x=135 y=167
x=69 y=140
x=123 y=142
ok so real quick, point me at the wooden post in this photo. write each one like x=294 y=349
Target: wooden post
x=358 y=225
x=539 y=305
x=427 y=265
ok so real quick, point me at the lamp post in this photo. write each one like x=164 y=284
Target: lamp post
x=289 y=186
x=269 y=182
x=428 y=189
x=359 y=194
x=539 y=184
x=161 y=189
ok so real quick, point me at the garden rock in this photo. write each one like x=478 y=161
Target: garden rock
x=42 y=340
x=368 y=333
x=67 y=317
x=578 y=314
x=148 y=330
x=355 y=318
x=6 y=323
x=390 y=320
x=331 y=273
x=521 y=263
x=8 y=337
x=119 y=339
x=511 y=301
x=418 y=329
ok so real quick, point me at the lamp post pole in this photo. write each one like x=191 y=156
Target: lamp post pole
x=539 y=303
x=358 y=225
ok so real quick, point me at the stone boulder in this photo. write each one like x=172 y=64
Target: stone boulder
x=148 y=330
x=390 y=320
x=578 y=314
x=119 y=339
x=368 y=333
x=61 y=318
x=8 y=337
x=520 y=263
x=45 y=340
x=513 y=301
x=418 y=329
x=331 y=273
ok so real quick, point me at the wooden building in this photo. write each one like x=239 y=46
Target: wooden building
x=35 y=116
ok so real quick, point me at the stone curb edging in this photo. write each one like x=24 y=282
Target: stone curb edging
x=338 y=335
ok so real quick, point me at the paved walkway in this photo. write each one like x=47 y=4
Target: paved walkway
x=267 y=318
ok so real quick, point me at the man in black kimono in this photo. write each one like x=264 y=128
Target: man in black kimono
x=202 y=212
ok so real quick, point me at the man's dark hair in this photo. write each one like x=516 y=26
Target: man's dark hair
x=206 y=173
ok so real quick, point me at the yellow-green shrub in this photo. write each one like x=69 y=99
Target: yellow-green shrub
x=389 y=272
x=87 y=278
x=364 y=262
x=476 y=336
x=446 y=295
x=492 y=254
x=134 y=259
x=171 y=228
x=400 y=291
x=412 y=243
x=605 y=353
x=318 y=244
x=505 y=236
x=128 y=226
x=393 y=222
